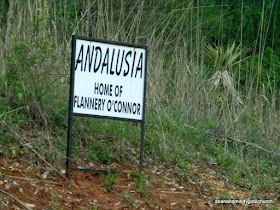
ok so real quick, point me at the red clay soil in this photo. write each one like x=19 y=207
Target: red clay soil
x=26 y=185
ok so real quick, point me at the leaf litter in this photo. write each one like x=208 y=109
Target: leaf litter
x=37 y=188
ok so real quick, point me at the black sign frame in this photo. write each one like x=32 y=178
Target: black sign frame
x=69 y=168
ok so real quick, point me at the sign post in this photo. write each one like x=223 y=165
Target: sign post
x=108 y=80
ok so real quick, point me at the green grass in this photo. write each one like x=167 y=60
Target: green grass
x=128 y=200
x=109 y=181
x=141 y=181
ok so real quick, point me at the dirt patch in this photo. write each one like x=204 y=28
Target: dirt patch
x=30 y=185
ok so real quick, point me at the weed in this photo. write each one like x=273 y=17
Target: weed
x=15 y=151
x=237 y=179
x=100 y=151
x=6 y=172
x=226 y=161
x=141 y=181
x=272 y=207
x=54 y=204
x=254 y=192
x=128 y=200
x=109 y=181
x=225 y=195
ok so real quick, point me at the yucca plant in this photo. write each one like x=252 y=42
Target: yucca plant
x=223 y=59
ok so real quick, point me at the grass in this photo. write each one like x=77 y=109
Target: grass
x=109 y=181
x=141 y=181
x=128 y=200
x=54 y=203
x=185 y=121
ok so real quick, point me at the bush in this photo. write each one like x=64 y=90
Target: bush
x=28 y=71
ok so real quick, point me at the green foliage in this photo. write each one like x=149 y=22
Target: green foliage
x=272 y=207
x=27 y=69
x=141 y=181
x=128 y=200
x=226 y=161
x=254 y=193
x=54 y=203
x=109 y=181
x=225 y=195
x=6 y=172
x=4 y=8
x=13 y=119
x=223 y=60
x=100 y=152
x=270 y=66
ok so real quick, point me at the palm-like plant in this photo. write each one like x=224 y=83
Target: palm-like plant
x=223 y=59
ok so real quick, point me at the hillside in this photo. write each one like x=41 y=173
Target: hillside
x=212 y=118
x=36 y=185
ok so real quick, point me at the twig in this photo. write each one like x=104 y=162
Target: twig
x=175 y=192
x=238 y=140
x=254 y=145
x=15 y=198
x=188 y=126
x=16 y=109
x=33 y=180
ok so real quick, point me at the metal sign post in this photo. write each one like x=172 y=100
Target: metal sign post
x=108 y=80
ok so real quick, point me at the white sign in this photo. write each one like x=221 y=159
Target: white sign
x=109 y=79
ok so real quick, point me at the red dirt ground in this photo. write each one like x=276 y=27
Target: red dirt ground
x=25 y=185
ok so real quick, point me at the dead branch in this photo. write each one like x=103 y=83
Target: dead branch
x=254 y=145
x=15 y=198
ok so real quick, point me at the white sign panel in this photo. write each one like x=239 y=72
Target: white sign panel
x=109 y=79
